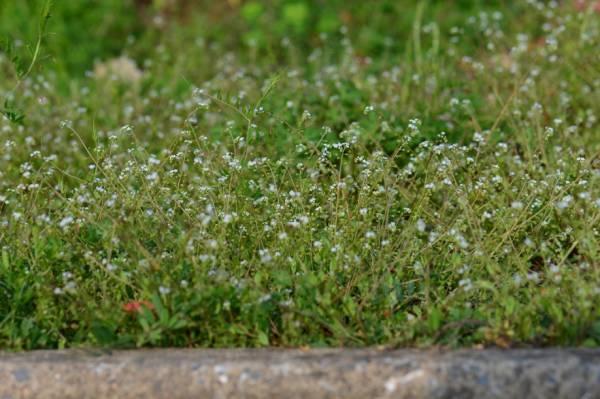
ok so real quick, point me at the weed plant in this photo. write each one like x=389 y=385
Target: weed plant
x=301 y=174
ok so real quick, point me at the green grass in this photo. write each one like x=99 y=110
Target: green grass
x=300 y=173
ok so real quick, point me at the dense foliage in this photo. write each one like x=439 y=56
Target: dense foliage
x=320 y=173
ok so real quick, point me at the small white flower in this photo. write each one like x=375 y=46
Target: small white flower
x=70 y=286
x=516 y=205
x=533 y=276
x=153 y=176
x=466 y=284
x=306 y=115
x=282 y=236
x=264 y=298
x=564 y=202
x=517 y=279
x=164 y=290
x=265 y=256
x=65 y=222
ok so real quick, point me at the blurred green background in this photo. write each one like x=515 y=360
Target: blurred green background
x=84 y=31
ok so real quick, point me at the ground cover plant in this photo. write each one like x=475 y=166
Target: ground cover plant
x=299 y=173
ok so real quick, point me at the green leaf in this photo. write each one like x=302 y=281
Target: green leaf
x=12 y=114
x=328 y=23
x=144 y=323
x=263 y=338
x=252 y=11
x=296 y=15
x=103 y=333
x=176 y=323
x=435 y=319
x=163 y=313
x=5 y=260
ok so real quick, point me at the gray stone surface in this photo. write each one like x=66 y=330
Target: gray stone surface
x=348 y=374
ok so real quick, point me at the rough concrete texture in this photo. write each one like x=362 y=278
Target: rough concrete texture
x=347 y=374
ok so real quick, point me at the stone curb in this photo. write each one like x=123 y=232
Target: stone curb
x=267 y=373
